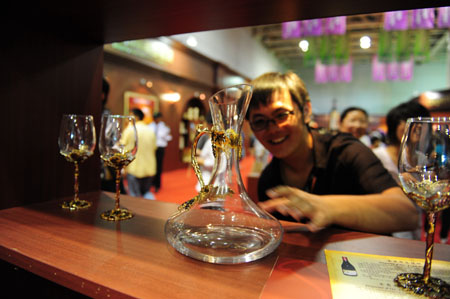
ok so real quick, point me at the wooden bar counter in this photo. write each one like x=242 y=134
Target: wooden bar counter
x=131 y=258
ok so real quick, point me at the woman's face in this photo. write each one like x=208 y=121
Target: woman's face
x=355 y=123
x=285 y=130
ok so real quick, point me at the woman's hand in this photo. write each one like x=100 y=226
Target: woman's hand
x=384 y=212
x=300 y=205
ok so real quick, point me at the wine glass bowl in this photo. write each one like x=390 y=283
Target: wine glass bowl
x=424 y=172
x=76 y=143
x=118 y=147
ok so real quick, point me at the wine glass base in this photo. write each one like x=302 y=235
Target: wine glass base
x=117 y=215
x=76 y=205
x=413 y=282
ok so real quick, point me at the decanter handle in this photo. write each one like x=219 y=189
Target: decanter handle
x=200 y=131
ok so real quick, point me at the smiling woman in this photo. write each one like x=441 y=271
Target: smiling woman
x=319 y=178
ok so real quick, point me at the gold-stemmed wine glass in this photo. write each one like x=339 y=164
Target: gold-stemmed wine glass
x=118 y=147
x=424 y=172
x=76 y=143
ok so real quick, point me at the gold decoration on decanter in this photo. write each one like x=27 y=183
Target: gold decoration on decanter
x=222 y=141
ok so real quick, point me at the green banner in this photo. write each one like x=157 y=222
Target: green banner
x=310 y=56
x=403 y=49
x=385 y=46
x=325 y=49
x=341 y=49
x=422 y=44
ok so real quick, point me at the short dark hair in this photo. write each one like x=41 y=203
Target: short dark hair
x=138 y=113
x=265 y=85
x=401 y=113
x=350 y=109
x=157 y=115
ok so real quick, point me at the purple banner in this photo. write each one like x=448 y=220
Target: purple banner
x=320 y=72
x=333 y=72
x=312 y=27
x=335 y=26
x=443 y=20
x=378 y=69
x=346 y=72
x=396 y=20
x=392 y=71
x=291 y=30
x=407 y=69
x=422 y=18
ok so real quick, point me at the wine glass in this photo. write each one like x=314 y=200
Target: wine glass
x=118 y=147
x=76 y=143
x=424 y=172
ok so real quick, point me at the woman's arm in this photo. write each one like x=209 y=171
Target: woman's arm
x=384 y=212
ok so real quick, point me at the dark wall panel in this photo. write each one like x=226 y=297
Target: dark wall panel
x=42 y=78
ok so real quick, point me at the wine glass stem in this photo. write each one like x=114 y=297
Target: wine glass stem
x=118 y=171
x=76 y=185
x=431 y=218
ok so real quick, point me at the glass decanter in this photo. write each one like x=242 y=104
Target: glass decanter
x=222 y=224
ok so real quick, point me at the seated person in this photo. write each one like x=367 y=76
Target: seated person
x=355 y=120
x=324 y=179
x=388 y=155
x=396 y=122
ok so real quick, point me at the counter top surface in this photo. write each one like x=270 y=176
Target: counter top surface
x=131 y=258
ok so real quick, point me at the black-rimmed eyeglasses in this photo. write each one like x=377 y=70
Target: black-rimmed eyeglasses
x=260 y=123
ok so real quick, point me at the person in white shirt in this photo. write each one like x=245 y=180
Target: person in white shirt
x=162 y=132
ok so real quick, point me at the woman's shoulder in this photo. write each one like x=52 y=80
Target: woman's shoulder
x=336 y=140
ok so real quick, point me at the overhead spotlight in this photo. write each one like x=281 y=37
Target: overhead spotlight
x=145 y=82
x=171 y=97
x=364 y=42
x=304 y=45
x=191 y=41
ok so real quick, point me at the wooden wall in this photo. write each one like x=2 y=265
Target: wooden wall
x=44 y=77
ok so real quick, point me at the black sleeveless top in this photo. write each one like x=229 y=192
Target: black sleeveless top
x=342 y=165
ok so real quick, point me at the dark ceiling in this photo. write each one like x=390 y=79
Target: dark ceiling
x=104 y=21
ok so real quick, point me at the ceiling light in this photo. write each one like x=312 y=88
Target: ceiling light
x=171 y=97
x=364 y=42
x=191 y=41
x=304 y=45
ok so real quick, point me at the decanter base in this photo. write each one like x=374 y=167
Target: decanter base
x=223 y=244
